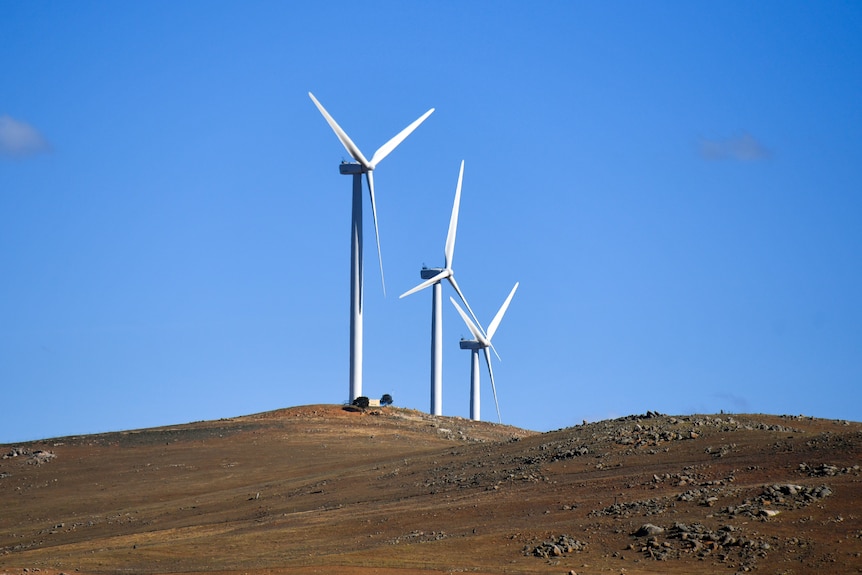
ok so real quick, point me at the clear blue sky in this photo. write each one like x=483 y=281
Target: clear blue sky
x=676 y=185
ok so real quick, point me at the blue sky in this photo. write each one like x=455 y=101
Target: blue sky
x=677 y=186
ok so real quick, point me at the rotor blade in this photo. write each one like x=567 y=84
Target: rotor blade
x=491 y=345
x=493 y=386
x=370 y=178
x=457 y=289
x=348 y=144
x=386 y=148
x=449 y=251
x=425 y=284
x=492 y=327
x=470 y=325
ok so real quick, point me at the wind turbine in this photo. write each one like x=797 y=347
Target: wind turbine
x=356 y=169
x=434 y=277
x=483 y=342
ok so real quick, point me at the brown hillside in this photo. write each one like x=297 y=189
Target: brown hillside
x=321 y=489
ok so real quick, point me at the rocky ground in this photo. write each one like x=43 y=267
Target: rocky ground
x=328 y=489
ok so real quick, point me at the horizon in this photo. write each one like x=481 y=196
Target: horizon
x=645 y=414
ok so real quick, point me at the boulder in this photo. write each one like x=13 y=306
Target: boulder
x=649 y=529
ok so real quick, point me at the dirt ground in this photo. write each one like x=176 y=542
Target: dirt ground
x=325 y=489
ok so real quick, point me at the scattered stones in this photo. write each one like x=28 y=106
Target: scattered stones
x=726 y=544
x=779 y=428
x=706 y=496
x=645 y=507
x=462 y=477
x=37 y=457
x=654 y=429
x=720 y=451
x=829 y=441
x=777 y=497
x=690 y=476
x=418 y=537
x=551 y=548
x=556 y=451
x=704 y=491
x=827 y=470
x=16 y=452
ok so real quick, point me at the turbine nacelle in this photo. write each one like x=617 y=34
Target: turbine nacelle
x=427 y=273
x=352 y=168
x=471 y=344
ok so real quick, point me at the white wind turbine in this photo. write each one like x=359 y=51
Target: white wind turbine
x=483 y=342
x=434 y=276
x=361 y=166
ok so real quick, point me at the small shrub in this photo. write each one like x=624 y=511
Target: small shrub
x=361 y=401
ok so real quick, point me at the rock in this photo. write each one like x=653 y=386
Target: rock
x=39 y=457
x=769 y=512
x=557 y=547
x=790 y=489
x=728 y=540
x=823 y=491
x=649 y=529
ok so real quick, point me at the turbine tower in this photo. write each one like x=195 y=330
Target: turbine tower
x=434 y=277
x=356 y=169
x=482 y=342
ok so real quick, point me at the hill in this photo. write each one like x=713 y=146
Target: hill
x=324 y=489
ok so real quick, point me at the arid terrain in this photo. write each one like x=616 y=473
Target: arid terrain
x=329 y=489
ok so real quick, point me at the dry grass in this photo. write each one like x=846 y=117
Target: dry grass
x=319 y=489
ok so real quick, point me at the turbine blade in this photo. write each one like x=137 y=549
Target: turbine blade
x=493 y=386
x=425 y=284
x=370 y=178
x=449 y=251
x=470 y=325
x=348 y=144
x=497 y=318
x=457 y=289
x=386 y=148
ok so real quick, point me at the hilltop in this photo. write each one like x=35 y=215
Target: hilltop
x=328 y=489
